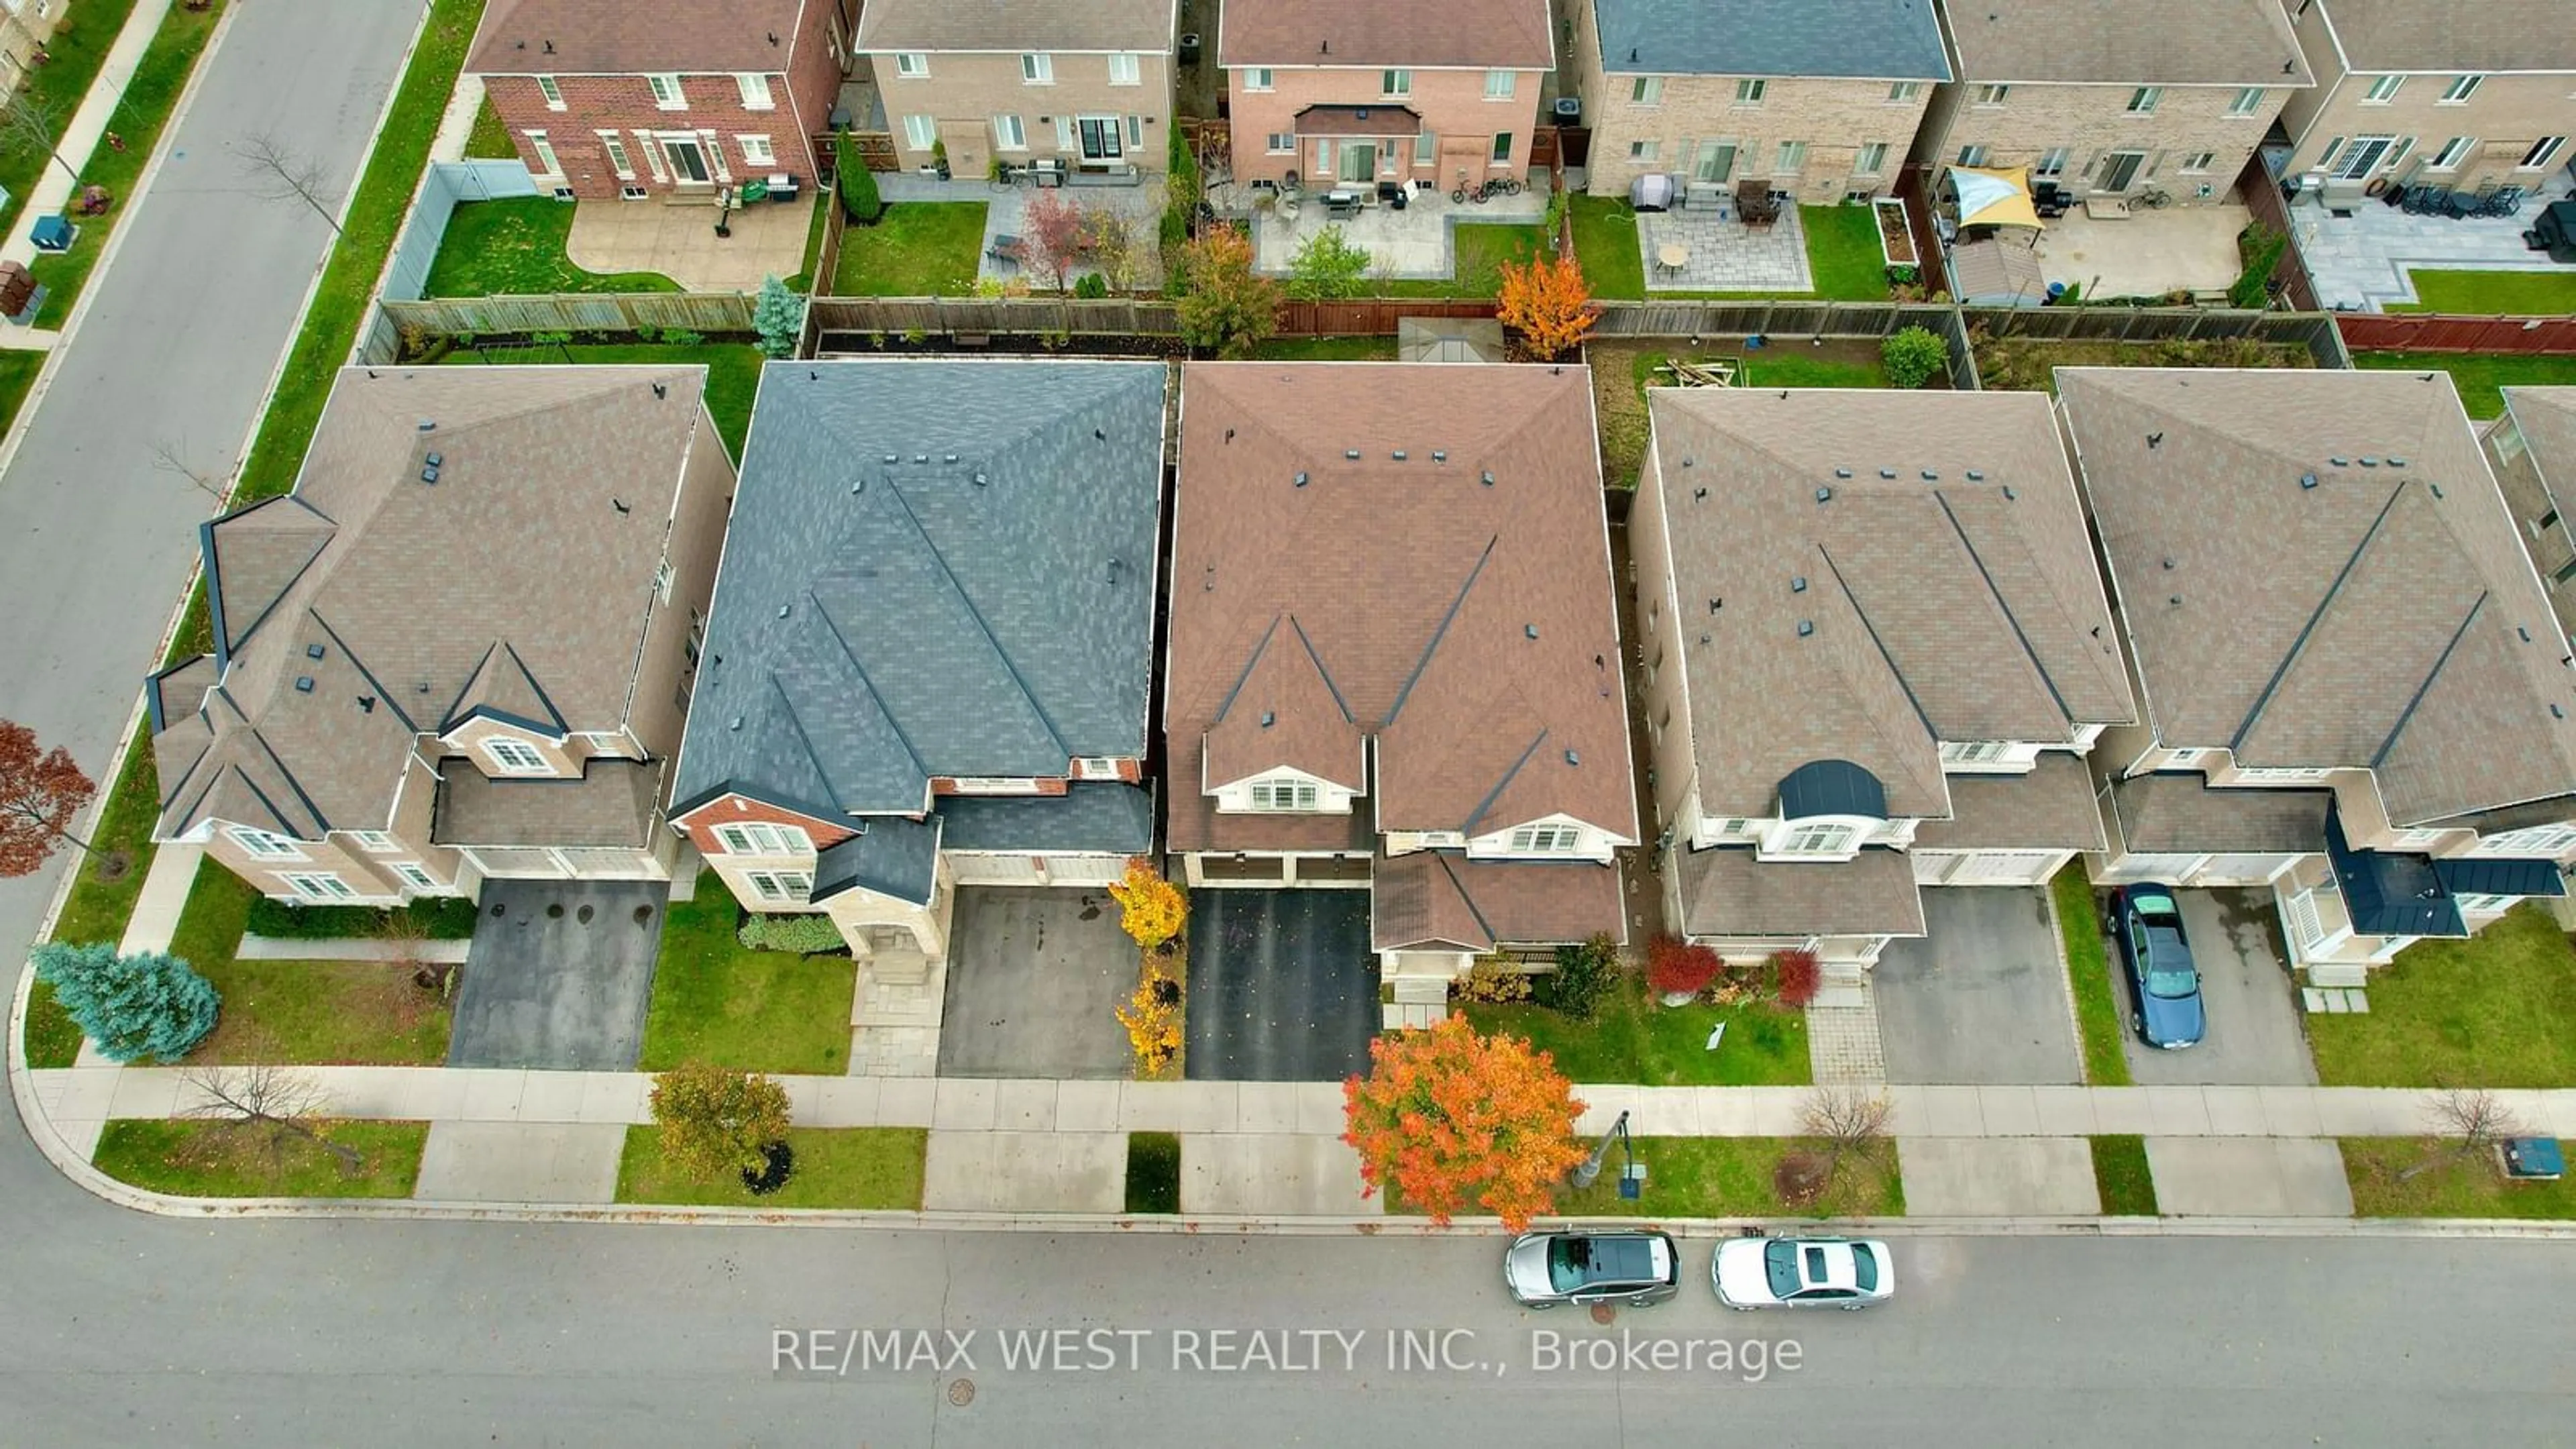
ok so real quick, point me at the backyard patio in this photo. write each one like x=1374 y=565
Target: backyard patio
x=1006 y=216
x=2145 y=253
x=1705 y=249
x=2361 y=262
x=1417 y=243
x=678 y=240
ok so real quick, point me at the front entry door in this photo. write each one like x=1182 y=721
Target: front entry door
x=2121 y=168
x=1359 y=161
x=688 y=160
x=1100 y=138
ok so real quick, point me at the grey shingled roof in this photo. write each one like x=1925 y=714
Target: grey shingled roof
x=2386 y=618
x=2051 y=808
x=2176 y=813
x=2128 y=42
x=1017 y=25
x=891 y=855
x=1729 y=892
x=2454 y=35
x=1096 y=816
x=1867 y=39
x=879 y=623
x=1937 y=609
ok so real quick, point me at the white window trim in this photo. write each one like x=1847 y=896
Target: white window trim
x=911 y=64
x=619 y=160
x=1751 y=90
x=1834 y=838
x=921 y=132
x=414 y=875
x=754 y=86
x=2373 y=97
x=1010 y=133
x=678 y=97
x=2199 y=163
x=1502 y=141
x=1903 y=93
x=792 y=887
x=1510 y=81
x=265 y=845
x=548 y=164
x=1095 y=767
x=374 y=842
x=1259 y=78
x=1126 y=61
x=1395 y=80
x=1277 y=797
x=1273 y=147
x=1545 y=840
x=1972 y=154
x=1992 y=95
x=653 y=159
x=2461 y=89
x=318 y=885
x=1643 y=149
x=1789 y=158
x=762 y=837
x=552 y=90
x=756 y=151
x=2542 y=153
x=2453 y=154
x=1646 y=90
x=2052 y=162
x=1037 y=68
x=602 y=742
x=1872 y=160
x=2237 y=107
x=502 y=752
x=2144 y=99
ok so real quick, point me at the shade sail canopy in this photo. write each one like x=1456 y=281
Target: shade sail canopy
x=1993 y=198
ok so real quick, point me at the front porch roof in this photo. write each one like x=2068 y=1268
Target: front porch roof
x=1427 y=899
x=2390 y=893
x=1358 y=121
x=1730 y=891
x=891 y=855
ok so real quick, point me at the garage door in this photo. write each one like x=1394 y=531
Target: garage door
x=996 y=870
x=1986 y=867
x=1085 y=870
x=2238 y=869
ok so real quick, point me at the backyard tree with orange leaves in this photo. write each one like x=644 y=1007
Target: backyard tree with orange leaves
x=1150 y=908
x=1548 y=305
x=1453 y=1120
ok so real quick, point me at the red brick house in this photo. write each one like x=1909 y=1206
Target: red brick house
x=605 y=100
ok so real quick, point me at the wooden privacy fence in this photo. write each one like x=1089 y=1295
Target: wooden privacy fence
x=1108 y=317
x=576 y=312
x=2314 y=331
x=2289 y=280
x=2434 y=332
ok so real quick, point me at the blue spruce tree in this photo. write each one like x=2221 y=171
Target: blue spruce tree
x=146 y=1005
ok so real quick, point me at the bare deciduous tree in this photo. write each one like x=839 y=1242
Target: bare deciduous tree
x=279 y=1105
x=2470 y=1120
x=1848 y=1119
x=170 y=457
x=28 y=124
x=285 y=175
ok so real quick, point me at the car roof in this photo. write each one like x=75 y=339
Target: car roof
x=1827 y=1265
x=1627 y=1256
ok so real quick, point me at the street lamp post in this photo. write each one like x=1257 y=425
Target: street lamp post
x=1589 y=1170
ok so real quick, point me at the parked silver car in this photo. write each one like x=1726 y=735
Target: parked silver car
x=1802 y=1273
x=1638 y=1267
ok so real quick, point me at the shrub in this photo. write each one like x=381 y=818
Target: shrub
x=1914 y=356
x=854 y=183
x=1675 y=967
x=1584 y=974
x=1152 y=1017
x=1547 y=304
x=1180 y=203
x=804 y=934
x=1091 y=285
x=682 y=337
x=2261 y=247
x=436 y=918
x=1329 y=265
x=145 y=1005
x=1151 y=910
x=1496 y=980
x=1223 y=307
x=779 y=316
x=1796 y=975
x=716 y=1121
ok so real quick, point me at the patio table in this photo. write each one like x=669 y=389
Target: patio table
x=1672 y=257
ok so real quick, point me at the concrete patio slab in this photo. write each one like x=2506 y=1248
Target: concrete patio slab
x=1998 y=1177
x=1418 y=243
x=520 y=1162
x=2146 y=253
x=2247 y=1177
x=1272 y=1175
x=1067 y=1172
x=679 y=241
x=1722 y=254
x=2361 y=262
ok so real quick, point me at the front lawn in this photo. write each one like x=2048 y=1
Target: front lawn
x=490 y=138
x=2121 y=1175
x=2479 y=376
x=733 y=372
x=515 y=247
x=2496 y=1010
x=1326 y=349
x=2458 y=1187
x=1842 y=251
x=836 y=1167
x=1633 y=1039
x=1731 y=1177
x=716 y=1000
x=53 y=91
x=18 y=371
x=305 y=1012
x=917 y=249
x=2088 y=978
x=1481 y=248
x=2491 y=294
x=220 y=1159
x=1605 y=242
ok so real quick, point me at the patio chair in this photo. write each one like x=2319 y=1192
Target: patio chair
x=1755 y=203
x=1007 y=249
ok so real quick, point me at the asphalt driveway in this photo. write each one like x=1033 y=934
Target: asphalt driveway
x=2254 y=1037
x=1282 y=985
x=1035 y=976
x=1980 y=1000
x=559 y=975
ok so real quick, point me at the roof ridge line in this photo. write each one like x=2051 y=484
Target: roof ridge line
x=902 y=737
x=1440 y=633
x=1478 y=814
x=2299 y=645
x=534 y=683
x=1330 y=687
x=1250 y=664
x=2426 y=686
x=447 y=719
x=804 y=739
x=982 y=625
x=1441 y=859
x=1876 y=642
x=2020 y=634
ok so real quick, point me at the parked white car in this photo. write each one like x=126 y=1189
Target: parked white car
x=1802 y=1273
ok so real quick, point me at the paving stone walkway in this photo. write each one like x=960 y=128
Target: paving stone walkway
x=1723 y=254
x=1843 y=1044
x=2360 y=262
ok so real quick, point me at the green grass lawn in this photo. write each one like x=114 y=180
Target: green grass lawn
x=2120 y=1173
x=2088 y=977
x=714 y=1000
x=323 y=1013
x=1842 y=251
x=2496 y=1010
x=917 y=249
x=1725 y=1177
x=216 y=1159
x=2491 y=294
x=515 y=247
x=1153 y=1172
x=1482 y=249
x=53 y=1038
x=140 y=114
x=816 y=222
x=2456 y=1187
x=490 y=138
x=1633 y=1039
x=17 y=374
x=1605 y=242
x=99 y=908
x=1789 y=367
x=53 y=91
x=2480 y=377
x=836 y=1167
x=733 y=372
x=1326 y=349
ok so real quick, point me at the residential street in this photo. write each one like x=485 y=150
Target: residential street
x=182 y=333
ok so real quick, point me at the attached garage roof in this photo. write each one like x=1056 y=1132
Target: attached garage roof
x=1729 y=892
x=611 y=805
x=1431 y=898
x=2178 y=814
x=892 y=856
x=2051 y=808
x=1097 y=817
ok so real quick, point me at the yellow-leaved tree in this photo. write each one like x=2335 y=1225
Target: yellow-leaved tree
x=1150 y=908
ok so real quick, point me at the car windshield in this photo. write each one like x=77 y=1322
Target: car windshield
x=1864 y=1267
x=2172 y=985
x=1569 y=1261
x=1780 y=1262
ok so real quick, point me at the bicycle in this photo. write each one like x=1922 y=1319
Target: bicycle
x=2152 y=199
x=1502 y=186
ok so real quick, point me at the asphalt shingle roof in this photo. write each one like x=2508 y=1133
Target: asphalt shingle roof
x=2176 y=813
x=1016 y=25
x=625 y=37
x=2454 y=35
x=1098 y=816
x=2128 y=42
x=1369 y=33
x=2051 y=808
x=1867 y=39
x=1731 y=892
x=936 y=568
x=1426 y=899
x=891 y=855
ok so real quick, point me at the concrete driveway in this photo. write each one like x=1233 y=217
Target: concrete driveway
x=1981 y=999
x=2254 y=1036
x=1282 y=985
x=1034 y=975
x=559 y=975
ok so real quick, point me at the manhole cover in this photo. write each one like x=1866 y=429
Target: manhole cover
x=1603 y=1313
x=555 y=912
x=961 y=1392
x=583 y=915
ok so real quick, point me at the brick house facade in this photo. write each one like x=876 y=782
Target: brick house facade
x=635 y=101
x=1090 y=85
x=2479 y=96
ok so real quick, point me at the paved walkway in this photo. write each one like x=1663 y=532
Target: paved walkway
x=2360 y=262
x=81 y=134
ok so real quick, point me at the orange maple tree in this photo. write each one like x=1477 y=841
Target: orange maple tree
x=1548 y=303
x=1452 y=1118
x=40 y=792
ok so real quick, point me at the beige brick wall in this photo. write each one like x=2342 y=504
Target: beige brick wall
x=1836 y=119
x=1665 y=628
x=1452 y=104
x=965 y=91
x=2092 y=123
x=663 y=669
x=2506 y=115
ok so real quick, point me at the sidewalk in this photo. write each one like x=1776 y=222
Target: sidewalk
x=81 y=134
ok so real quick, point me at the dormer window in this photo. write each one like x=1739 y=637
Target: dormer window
x=1820 y=837
x=516 y=757
x=1546 y=840
x=1283 y=795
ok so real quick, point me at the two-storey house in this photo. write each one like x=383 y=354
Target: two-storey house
x=2532 y=448
x=463 y=647
x=2324 y=597
x=1088 y=87
x=1874 y=653
x=1394 y=658
x=2109 y=98
x=2466 y=95
x=1821 y=97
x=1429 y=93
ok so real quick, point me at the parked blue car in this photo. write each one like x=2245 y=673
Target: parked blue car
x=2162 y=979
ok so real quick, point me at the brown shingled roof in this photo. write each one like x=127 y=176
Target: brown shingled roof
x=1469 y=627
x=1429 y=898
x=2051 y=808
x=2384 y=618
x=1472 y=33
x=2454 y=35
x=2176 y=813
x=1730 y=892
x=2128 y=42
x=623 y=37
x=1018 y=25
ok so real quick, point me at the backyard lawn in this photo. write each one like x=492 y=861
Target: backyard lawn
x=1605 y=242
x=1631 y=1039
x=515 y=247
x=733 y=372
x=2027 y=364
x=1727 y=1177
x=1842 y=252
x=917 y=249
x=716 y=1000
x=1482 y=248
x=2496 y=1010
x=2479 y=376
x=2453 y=1186
x=2491 y=294
x=1326 y=349
x=2088 y=977
x=836 y=1167
x=220 y=1159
